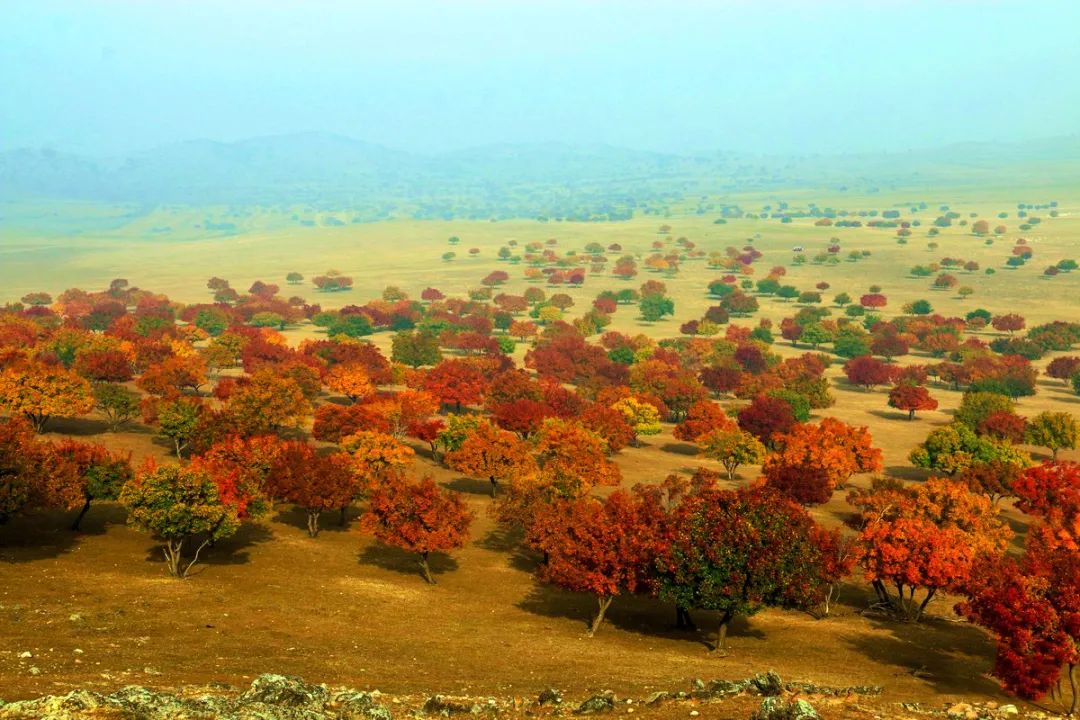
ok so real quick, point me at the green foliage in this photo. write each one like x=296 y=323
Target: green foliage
x=956 y=447
x=118 y=404
x=1053 y=430
x=415 y=348
x=655 y=307
x=175 y=504
x=975 y=407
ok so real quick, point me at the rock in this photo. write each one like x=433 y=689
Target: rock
x=354 y=705
x=442 y=705
x=768 y=684
x=35 y=671
x=551 y=696
x=657 y=697
x=75 y=617
x=596 y=704
x=694 y=713
x=1008 y=710
x=284 y=691
x=774 y=708
x=26 y=654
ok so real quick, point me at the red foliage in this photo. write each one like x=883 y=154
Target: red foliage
x=911 y=398
x=456 y=382
x=420 y=518
x=1051 y=491
x=868 y=371
x=703 y=417
x=765 y=417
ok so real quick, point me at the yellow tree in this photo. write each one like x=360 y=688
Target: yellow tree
x=38 y=391
x=351 y=380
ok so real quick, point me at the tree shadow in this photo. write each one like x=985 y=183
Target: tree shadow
x=632 y=613
x=678 y=448
x=894 y=415
x=97 y=520
x=232 y=550
x=37 y=536
x=907 y=472
x=951 y=657
x=510 y=541
x=406 y=563
x=329 y=521
x=469 y=486
x=85 y=427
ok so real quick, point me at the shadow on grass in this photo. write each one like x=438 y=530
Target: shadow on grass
x=510 y=542
x=678 y=448
x=233 y=550
x=950 y=657
x=329 y=521
x=469 y=486
x=406 y=563
x=633 y=613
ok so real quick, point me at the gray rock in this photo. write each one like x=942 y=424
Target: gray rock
x=596 y=704
x=773 y=708
x=283 y=691
x=550 y=696
x=657 y=697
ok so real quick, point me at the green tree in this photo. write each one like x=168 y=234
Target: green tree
x=118 y=404
x=416 y=348
x=176 y=504
x=1053 y=430
x=655 y=307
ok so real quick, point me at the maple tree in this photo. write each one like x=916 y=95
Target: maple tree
x=831 y=448
x=911 y=398
x=604 y=548
x=1031 y=605
x=316 y=482
x=118 y=404
x=492 y=453
x=1051 y=492
x=765 y=417
x=1053 y=430
x=351 y=380
x=38 y=391
x=739 y=551
x=572 y=458
x=418 y=517
x=95 y=473
x=378 y=457
x=867 y=371
x=265 y=403
x=176 y=505
x=642 y=417
x=731 y=447
x=703 y=417
x=456 y=382
x=953 y=448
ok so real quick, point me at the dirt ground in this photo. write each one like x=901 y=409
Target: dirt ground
x=95 y=609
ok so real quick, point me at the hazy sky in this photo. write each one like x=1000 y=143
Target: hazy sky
x=107 y=77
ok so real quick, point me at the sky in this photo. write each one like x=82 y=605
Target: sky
x=109 y=77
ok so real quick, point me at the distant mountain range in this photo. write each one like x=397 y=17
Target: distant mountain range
x=332 y=170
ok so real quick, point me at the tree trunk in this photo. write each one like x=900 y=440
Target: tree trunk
x=1074 y=682
x=172 y=551
x=81 y=515
x=425 y=569
x=683 y=621
x=603 y=603
x=730 y=470
x=179 y=448
x=344 y=518
x=911 y=415
x=313 y=523
x=494 y=486
x=926 y=601
x=721 y=632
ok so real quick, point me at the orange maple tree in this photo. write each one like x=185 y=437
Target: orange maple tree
x=418 y=517
x=492 y=453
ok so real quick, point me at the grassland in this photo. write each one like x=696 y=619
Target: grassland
x=95 y=609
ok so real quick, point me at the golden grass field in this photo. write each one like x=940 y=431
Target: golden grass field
x=342 y=610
